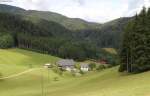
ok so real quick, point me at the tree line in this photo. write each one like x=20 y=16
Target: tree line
x=135 y=49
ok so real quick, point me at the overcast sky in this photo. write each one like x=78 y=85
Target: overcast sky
x=90 y=10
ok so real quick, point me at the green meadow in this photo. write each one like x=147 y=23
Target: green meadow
x=42 y=82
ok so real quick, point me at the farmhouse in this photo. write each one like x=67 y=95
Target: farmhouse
x=66 y=64
x=84 y=67
x=47 y=65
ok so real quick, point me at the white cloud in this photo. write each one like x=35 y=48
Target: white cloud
x=91 y=10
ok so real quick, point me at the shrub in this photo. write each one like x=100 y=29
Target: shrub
x=6 y=41
x=92 y=66
x=100 y=67
x=77 y=66
x=57 y=70
x=81 y=72
x=56 y=79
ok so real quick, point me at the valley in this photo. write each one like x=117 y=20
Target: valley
x=45 y=53
x=104 y=83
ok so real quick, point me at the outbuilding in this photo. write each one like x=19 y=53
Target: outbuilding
x=48 y=65
x=84 y=67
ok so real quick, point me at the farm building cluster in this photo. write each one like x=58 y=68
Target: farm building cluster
x=69 y=65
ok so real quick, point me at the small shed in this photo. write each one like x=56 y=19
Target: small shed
x=84 y=67
x=48 y=65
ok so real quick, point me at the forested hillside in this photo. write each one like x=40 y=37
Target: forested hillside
x=69 y=23
x=135 y=50
x=108 y=36
x=17 y=32
x=101 y=35
x=40 y=31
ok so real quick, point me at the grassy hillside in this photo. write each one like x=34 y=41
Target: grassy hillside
x=105 y=83
x=17 y=60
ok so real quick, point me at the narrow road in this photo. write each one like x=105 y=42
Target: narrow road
x=19 y=74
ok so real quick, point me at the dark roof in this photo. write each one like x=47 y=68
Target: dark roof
x=66 y=62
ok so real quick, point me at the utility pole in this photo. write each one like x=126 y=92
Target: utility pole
x=42 y=82
x=48 y=78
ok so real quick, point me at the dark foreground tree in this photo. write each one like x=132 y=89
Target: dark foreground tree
x=135 y=47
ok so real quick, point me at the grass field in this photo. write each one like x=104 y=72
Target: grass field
x=16 y=60
x=41 y=82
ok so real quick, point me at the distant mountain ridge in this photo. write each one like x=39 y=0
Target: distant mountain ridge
x=69 y=23
x=82 y=30
x=11 y=9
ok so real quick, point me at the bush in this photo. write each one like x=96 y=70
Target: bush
x=92 y=66
x=100 y=67
x=77 y=66
x=6 y=41
x=58 y=71
x=81 y=72
x=56 y=79
x=122 y=68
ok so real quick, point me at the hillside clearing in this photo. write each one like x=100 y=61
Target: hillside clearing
x=110 y=50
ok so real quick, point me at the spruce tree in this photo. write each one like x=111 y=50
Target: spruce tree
x=135 y=51
x=148 y=39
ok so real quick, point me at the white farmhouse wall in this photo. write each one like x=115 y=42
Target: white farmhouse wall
x=68 y=69
x=85 y=69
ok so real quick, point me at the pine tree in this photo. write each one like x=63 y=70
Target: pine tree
x=125 y=49
x=141 y=41
x=135 y=52
x=148 y=39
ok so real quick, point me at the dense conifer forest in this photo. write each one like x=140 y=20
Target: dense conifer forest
x=135 y=50
x=48 y=37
